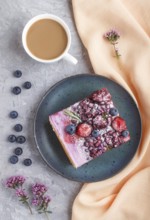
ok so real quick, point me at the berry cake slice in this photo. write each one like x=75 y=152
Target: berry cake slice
x=90 y=127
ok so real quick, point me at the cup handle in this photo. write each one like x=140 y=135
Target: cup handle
x=70 y=58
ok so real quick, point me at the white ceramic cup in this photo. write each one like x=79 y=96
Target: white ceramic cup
x=64 y=55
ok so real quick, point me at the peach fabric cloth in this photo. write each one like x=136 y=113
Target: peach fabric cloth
x=126 y=196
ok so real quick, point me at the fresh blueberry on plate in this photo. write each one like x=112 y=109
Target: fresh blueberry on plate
x=18 y=73
x=125 y=133
x=18 y=151
x=27 y=85
x=20 y=139
x=12 y=138
x=113 y=111
x=13 y=114
x=18 y=127
x=16 y=90
x=13 y=159
x=27 y=162
x=70 y=129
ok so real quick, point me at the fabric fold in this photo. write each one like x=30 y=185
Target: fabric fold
x=125 y=195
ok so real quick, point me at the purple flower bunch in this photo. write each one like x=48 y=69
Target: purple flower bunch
x=112 y=36
x=15 y=182
x=39 y=199
x=38 y=189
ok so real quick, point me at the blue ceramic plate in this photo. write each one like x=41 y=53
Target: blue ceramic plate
x=65 y=93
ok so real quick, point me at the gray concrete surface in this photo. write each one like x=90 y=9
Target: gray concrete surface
x=13 y=16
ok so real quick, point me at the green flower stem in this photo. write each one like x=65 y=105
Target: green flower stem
x=47 y=216
x=29 y=207
x=115 y=49
x=24 y=200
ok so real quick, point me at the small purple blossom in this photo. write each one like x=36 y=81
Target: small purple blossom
x=112 y=36
x=36 y=201
x=42 y=201
x=21 y=193
x=46 y=200
x=15 y=182
x=38 y=189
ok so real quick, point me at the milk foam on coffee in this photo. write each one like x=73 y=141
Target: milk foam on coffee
x=46 y=39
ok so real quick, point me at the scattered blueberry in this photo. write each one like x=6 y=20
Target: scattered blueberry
x=70 y=129
x=125 y=133
x=18 y=73
x=12 y=138
x=27 y=162
x=18 y=127
x=27 y=85
x=13 y=114
x=20 y=139
x=18 y=151
x=113 y=111
x=16 y=90
x=13 y=159
x=95 y=133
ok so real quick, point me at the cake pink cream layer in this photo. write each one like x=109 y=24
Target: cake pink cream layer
x=90 y=127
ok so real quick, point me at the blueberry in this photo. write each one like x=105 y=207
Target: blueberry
x=20 y=139
x=113 y=111
x=95 y=133
x=125 y=133
x=12 y=138
x=13 y=114
x=27 y=162
x=27 y=85
x=18 y=127
x=13 y=159
x=70 y=129
x=18 y=73
x=18 y=151
x=16 y=90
